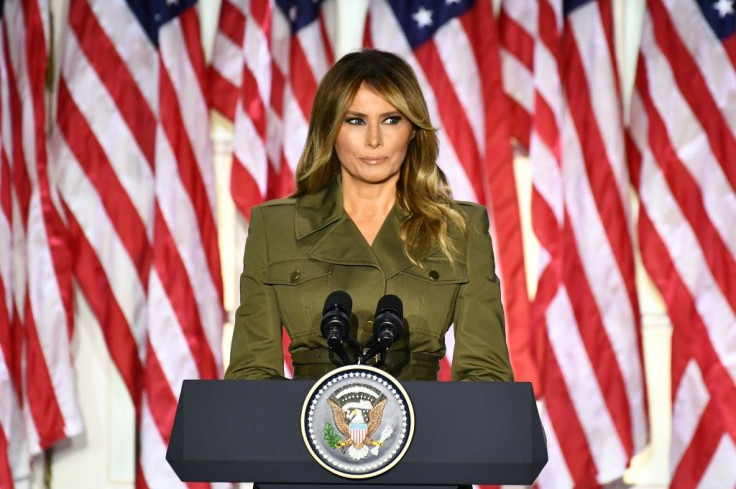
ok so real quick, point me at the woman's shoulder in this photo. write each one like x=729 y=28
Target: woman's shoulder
x=474 y=213
x=286 y=201
x=275 y=207
x=470 y=207
x=274 y=216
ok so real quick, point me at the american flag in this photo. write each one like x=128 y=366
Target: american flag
x=36 y=313
x=135 y=173
x=590 y=363
x=268 y=60
x=453 y=49
x=683 y=154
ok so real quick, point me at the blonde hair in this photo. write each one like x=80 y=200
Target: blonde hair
x=423 y=194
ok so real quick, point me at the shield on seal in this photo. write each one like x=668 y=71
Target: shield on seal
x=357 y=432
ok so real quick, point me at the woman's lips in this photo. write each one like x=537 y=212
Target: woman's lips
x=373 y=160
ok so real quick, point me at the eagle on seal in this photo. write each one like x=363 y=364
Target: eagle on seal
x=358 y=433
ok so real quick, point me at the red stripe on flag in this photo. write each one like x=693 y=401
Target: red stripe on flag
x=329 y=55
x=232 y=22
x=5 y=179
x=278 y=85
x=521 y=121
x=445 y=373
x=253 y=104
x=545 y=126
x=6 y=475
x=302 y=82
x=261 y=12
x=21 y=178
x=42 y=402
x=189 y=22
x=244 y=189
x=285 y=343
x=7 y=341
x=36 y=63
x=223 y=94
x=140 y=480
x=161 y=400
x=729 y=46
x=605 y=10
x=280 y=180
x=548 y=34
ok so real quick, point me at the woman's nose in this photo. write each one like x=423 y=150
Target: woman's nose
x=373 y=137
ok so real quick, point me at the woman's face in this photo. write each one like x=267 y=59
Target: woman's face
x=372 y=141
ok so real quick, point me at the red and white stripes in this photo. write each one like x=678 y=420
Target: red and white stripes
x=517 y=28
x=265 y=70
x=14 y=453
x=103 y=145
x=135 y=171
x=36 y=316
x=185 y=286
x=593 y=381
x=683 y=135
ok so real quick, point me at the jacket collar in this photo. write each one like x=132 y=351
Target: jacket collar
x=342 y=242
x=315 y=211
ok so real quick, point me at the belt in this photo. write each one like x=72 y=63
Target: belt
x=312 y=364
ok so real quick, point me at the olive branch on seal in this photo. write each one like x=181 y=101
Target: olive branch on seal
x=331 y=437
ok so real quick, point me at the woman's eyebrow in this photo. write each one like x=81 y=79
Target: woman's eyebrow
x=361 y=114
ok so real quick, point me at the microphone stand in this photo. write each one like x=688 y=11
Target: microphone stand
x=335 y=344
x=375 y=347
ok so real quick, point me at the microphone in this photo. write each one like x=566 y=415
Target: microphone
x=335 y=324
x=388 y=326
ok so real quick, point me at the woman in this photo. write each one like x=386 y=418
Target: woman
x=372 y=215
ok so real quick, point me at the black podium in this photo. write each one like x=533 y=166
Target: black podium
x=465 y=433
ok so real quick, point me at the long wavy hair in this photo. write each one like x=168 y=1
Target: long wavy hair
x=429 y=213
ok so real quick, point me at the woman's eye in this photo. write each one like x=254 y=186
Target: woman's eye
x=392 y=120
x=354 y=121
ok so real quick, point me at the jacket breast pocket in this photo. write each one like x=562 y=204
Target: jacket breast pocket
x=301 y=287
x=429 y=293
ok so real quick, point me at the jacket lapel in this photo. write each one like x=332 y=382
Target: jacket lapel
x=388 y=247
x=316 y=211
x=341 y=242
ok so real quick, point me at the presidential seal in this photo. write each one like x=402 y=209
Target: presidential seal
x=357 y=421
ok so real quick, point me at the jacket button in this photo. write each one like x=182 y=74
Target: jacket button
x=294 y=276
x=368 y=326
x=434 y=275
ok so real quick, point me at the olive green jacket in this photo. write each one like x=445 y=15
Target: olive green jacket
x=299 y=250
